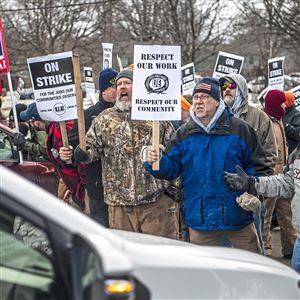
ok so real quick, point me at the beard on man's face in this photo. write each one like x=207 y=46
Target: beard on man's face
x=123 y=105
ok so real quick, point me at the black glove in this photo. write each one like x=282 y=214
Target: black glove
x=80 y=155
x=240 y=182
x=19 y=140
x=292 y=132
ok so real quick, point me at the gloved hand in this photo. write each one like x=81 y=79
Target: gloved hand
x=80 y=155
x=248 y=202
x=240 y=182
x=19 y=140
x=292 y=131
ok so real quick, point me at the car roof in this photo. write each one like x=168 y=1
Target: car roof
x=46 y=205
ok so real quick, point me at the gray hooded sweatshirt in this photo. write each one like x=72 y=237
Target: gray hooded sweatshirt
x=255 y=117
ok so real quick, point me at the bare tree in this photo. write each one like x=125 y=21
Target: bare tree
x=192 y=24
x=40 y=27
x=261 y=23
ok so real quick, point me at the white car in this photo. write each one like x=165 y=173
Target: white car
x=70 y=256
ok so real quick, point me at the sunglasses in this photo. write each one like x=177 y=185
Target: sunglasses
x=231 y=86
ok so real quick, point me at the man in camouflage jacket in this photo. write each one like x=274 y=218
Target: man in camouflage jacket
x=137 y=201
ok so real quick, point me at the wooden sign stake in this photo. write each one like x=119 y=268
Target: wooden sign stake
x=64 y=135
x=155 y=142
x=79 y=102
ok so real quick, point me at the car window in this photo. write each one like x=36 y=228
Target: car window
x=6 y=146
x=26 y=266
x=88 y=267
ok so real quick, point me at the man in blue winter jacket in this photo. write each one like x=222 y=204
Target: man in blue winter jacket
x=211 y=142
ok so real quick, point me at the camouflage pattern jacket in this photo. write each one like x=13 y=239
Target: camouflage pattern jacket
x=36 y=146
x=118 y=141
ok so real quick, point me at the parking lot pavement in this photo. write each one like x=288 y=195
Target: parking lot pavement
x=276 y=247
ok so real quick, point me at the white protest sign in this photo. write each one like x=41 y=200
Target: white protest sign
x=156 y=84
x=89 y=79
x=188 y=78
x=275 y=73
x=107 y=55
x=52 y=79
x=296 y=92
x=89 y=84
x=19 y=89
x=228 y=63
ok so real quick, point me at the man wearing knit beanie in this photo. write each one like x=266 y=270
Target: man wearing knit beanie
x=136 y=200
x=275 y=108
x=107 y=95
x=291 y=122
x=235 y=94
x=211 y=142
x=107 y=81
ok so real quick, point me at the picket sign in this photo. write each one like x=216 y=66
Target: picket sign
x=79 y=102
x=156 y=87
x=5 y=68
x=80 y=114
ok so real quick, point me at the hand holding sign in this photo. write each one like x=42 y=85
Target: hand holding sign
x=156 y=87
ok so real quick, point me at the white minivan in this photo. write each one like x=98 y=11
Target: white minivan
x=49 y=250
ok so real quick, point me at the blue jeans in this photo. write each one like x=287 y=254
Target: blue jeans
x=296 y=256
x=259 y=219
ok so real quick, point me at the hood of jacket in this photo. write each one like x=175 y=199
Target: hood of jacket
x=241 y=100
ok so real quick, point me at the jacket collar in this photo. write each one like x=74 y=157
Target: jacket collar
x=221 y=127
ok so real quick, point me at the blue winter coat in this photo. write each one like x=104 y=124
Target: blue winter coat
x=201 y=159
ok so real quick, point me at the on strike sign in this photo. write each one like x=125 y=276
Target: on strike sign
x=52 y=79
x=228 y=63
x=275 y=73
x=157 y=82
x=296 y=91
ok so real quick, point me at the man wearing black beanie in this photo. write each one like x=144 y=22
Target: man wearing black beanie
x=107 y=96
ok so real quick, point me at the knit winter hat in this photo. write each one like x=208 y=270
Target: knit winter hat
x=185 y=103
x=289 y=99
x=31 y=113
x=107 y=78
x=273 y=101
x=210 y=86
x=19 y=108
x=127 y=73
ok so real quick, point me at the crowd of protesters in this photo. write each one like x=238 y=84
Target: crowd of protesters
x=196 y=194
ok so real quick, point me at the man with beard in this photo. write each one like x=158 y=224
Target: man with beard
x=107 y=96
x=235 y=95
x=136 y=201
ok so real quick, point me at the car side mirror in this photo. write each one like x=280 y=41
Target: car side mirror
x=89 y=280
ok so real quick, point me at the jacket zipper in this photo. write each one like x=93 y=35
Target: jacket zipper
x=202 y=212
